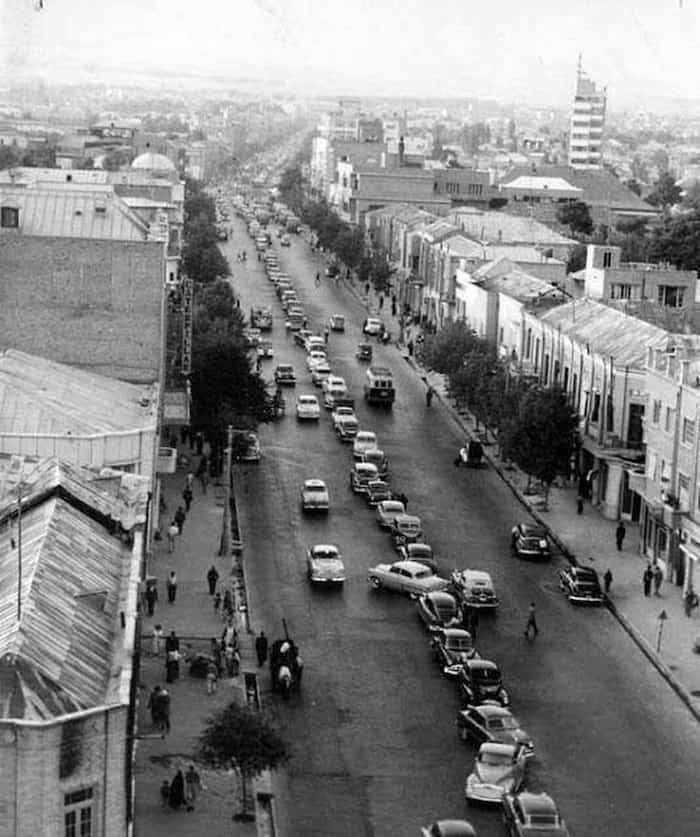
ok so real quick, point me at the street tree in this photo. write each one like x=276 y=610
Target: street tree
x=240 y=738
x=676 y=240
x=665 y=193
x=447 y=350
x=577 y=258
x=576 y=216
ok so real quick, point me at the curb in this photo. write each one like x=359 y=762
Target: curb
x=636 y=636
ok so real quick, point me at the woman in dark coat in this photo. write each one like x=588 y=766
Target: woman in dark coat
x=177 y=790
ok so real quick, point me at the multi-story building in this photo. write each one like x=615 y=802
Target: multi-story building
x=587 y=123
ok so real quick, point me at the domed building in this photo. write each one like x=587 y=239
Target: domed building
x=157 y=164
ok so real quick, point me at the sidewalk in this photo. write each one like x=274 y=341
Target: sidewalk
x=588 y=539
x=190 y=616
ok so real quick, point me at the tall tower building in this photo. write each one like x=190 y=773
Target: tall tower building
x=587 y=121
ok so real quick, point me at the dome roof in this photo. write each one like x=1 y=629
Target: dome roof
x=153 y=162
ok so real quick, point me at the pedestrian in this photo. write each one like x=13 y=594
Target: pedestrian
x=173 y=531
x=579 y=505
x=531 y=621
x=366 y=288
x=261 y=646
x=429 y=395
x=179 y=518
x=658 y=579
x=171 y=585
x=690 y=601
x=258 y=364
x=215 y=651
x=620 y=535
x=157 y=640
x=227 y=605
x=212 y=677
x=172 y=642
x=647 y=578
x=177 y=791
x=154 y=705
x=184 y=434
x=151 y=596
x=229 y=635
x=164 y=793
x=172 y=665
x=232 y=658
x=326 y=335
x=409 y=346
x=163 y=702
x=393 y=309
x=217 y=602
x=199 y=442
x=187 y=497
x=193 y=785
x=189 y=480
x=607 y=581
x=381 y=301
x=299 y=670
x=212 y=578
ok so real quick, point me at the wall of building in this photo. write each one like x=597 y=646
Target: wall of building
x=90 y=303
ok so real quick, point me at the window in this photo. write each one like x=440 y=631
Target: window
x=607 y=258
x=671 y=296
x=452 y=188
x=667 y=420
x=528 y=343
x=595 y=414
x=621 y=291
x=9 y=217
x=78 y=813
x=656 y=413
x=688 y=431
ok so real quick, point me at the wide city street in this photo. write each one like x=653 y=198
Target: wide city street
x=375 y=748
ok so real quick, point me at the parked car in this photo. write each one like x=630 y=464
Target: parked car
x=285 y=375
x=346 y=428
x=308 y=408
x=377 y=457
x=406 y=528
x=481 y=680
x=498 y=769
x=300 y=337
x=529 y=814
x=252 y=337
x=314 y=496
x=334 y=388
x=490 y=722
x=315 y=341
x=387 y=511
x=405 y=577
x=449 y=828
x=439 y=610
x=419 y=551
x=337 y=322
x=332 y=271
x=320 y=373
x=364 y=440
x=245 y=446
x=475 y=589
x=324 y=564
x=373 y=327
x=530 y=541
x=581 y=585
x=265 y=349
x=452 y=647
x=361 y=475
x=377 y=492
x=314 y=358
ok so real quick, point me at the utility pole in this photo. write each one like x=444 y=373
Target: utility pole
x=225 y=549
x=19 y=552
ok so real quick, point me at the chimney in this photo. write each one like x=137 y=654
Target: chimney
x=402 y=148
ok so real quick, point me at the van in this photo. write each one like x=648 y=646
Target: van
x=379 y=386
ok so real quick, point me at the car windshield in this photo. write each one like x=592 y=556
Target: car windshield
x=307 y=400
x=458 y=643
x=420 y=550
x=496 y=759
x=365 y=437
x=534 y=543
x=324 y=552
x=318 y=489
x=445 y=609
x=503 y=722
x=543 y=819
x=393 y=506
x=486 y=675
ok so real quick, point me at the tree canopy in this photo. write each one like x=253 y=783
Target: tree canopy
x=665 y=192
x=202 y=260
x=577 y=216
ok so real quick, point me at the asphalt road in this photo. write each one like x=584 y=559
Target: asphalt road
x=373 y=735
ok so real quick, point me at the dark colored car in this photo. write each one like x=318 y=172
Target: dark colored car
x=493 y=723
x=420 y=552
x=377 y=492
x=439 y=610
x=481 y=680
x=530 y=541
x=364 y=352
x=452 y=647
x=284 y=375
x=581 y=585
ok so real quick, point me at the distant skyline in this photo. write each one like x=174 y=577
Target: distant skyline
x=511 y=51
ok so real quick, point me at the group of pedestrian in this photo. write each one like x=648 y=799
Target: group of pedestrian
x=159 y=705
x=653 y=576
x=183 y=790
x=242 y=256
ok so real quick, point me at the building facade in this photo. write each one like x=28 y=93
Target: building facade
x=587 y=124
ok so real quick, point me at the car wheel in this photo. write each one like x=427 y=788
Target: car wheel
x=376 y=583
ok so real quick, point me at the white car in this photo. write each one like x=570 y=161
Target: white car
x=314 y=496
x=320 y=373
x=338 y=414
x=308 y=408
x=346 y=427
x=324 y=564
x=364 y=440
x=498 y=769
x=406 y=577
x=314 y=358
x=337 y=383
x=373 y=327
x=314 y=341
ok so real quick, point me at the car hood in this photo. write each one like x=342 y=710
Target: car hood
x=328 y=567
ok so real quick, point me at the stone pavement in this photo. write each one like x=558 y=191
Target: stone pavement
x=193 y=619
x=589 y=540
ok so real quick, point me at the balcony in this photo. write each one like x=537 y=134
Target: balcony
x=167 y=461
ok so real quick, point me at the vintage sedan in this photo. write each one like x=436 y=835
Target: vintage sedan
x=530 y=541
x=314 y=342
x=320 y=373
x=439 y=610
x=498 y=769
x=364 y=440
x=361 y=475
x=489 y=722
x=372 y=327
x=341 y=411
x=475 y=589
x=314 y=358
x=346 y=428
x=452 y=647
x=421 y=552
x=388 y=511
x=405 y=577
x=532 y=815
x=324 y=564
x=448 y=828
x=405 y=529
x=479 y=681
x=337 y=322
x=377 y=492
x=245 y=447
x=581 y=585
x=308 y=408
x=300 y=337
x=379 y=458
x=285 y=375
x=314 y=496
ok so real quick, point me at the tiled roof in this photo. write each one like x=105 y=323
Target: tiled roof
x=41 y=397
x=493 y=227
x=521 y=286
x=608 y=332
x=65 y=654
x=69 y=210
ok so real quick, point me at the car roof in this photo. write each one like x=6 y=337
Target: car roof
x=537 y=803
x=532 y=529
x=498 y=749
x=407 y=518
x=482 y=664
x=322 y=367
x=309 y=398
x=385 y=504
x=367 y=433
x=314 y=483
x=325 y=547
x=477 y=576
x=491 y=710
x=412 y=566
x=366 y=467
x=456 y=632
x=419 y=547
x=452 y=828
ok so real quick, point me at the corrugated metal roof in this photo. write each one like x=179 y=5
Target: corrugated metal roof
x=525 y=181
x=509 y=229
x=38 y=396
x=72 y=210
x=522 y=286
x=65 y=653
x=608 y=332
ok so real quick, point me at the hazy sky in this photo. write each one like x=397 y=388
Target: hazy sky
x=508 y=49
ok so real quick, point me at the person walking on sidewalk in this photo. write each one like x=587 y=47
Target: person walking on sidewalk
x=189 y=480
x=173 y=532
x=647 y=578
x=217 y=602
x=607 y=581
x=157 y=640
x=193 y=785
x=163 y=703
x=212 y=578
x=187 y=497
x=429 y=395
x=151 y=596
x=155 y=707
x=620 y=535
x=658 y=579
x=212 y=677
x=261 y=646
x=172 y=586
x=179 y=518
x=531 y=622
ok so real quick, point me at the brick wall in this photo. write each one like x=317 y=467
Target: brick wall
x=90 y=303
